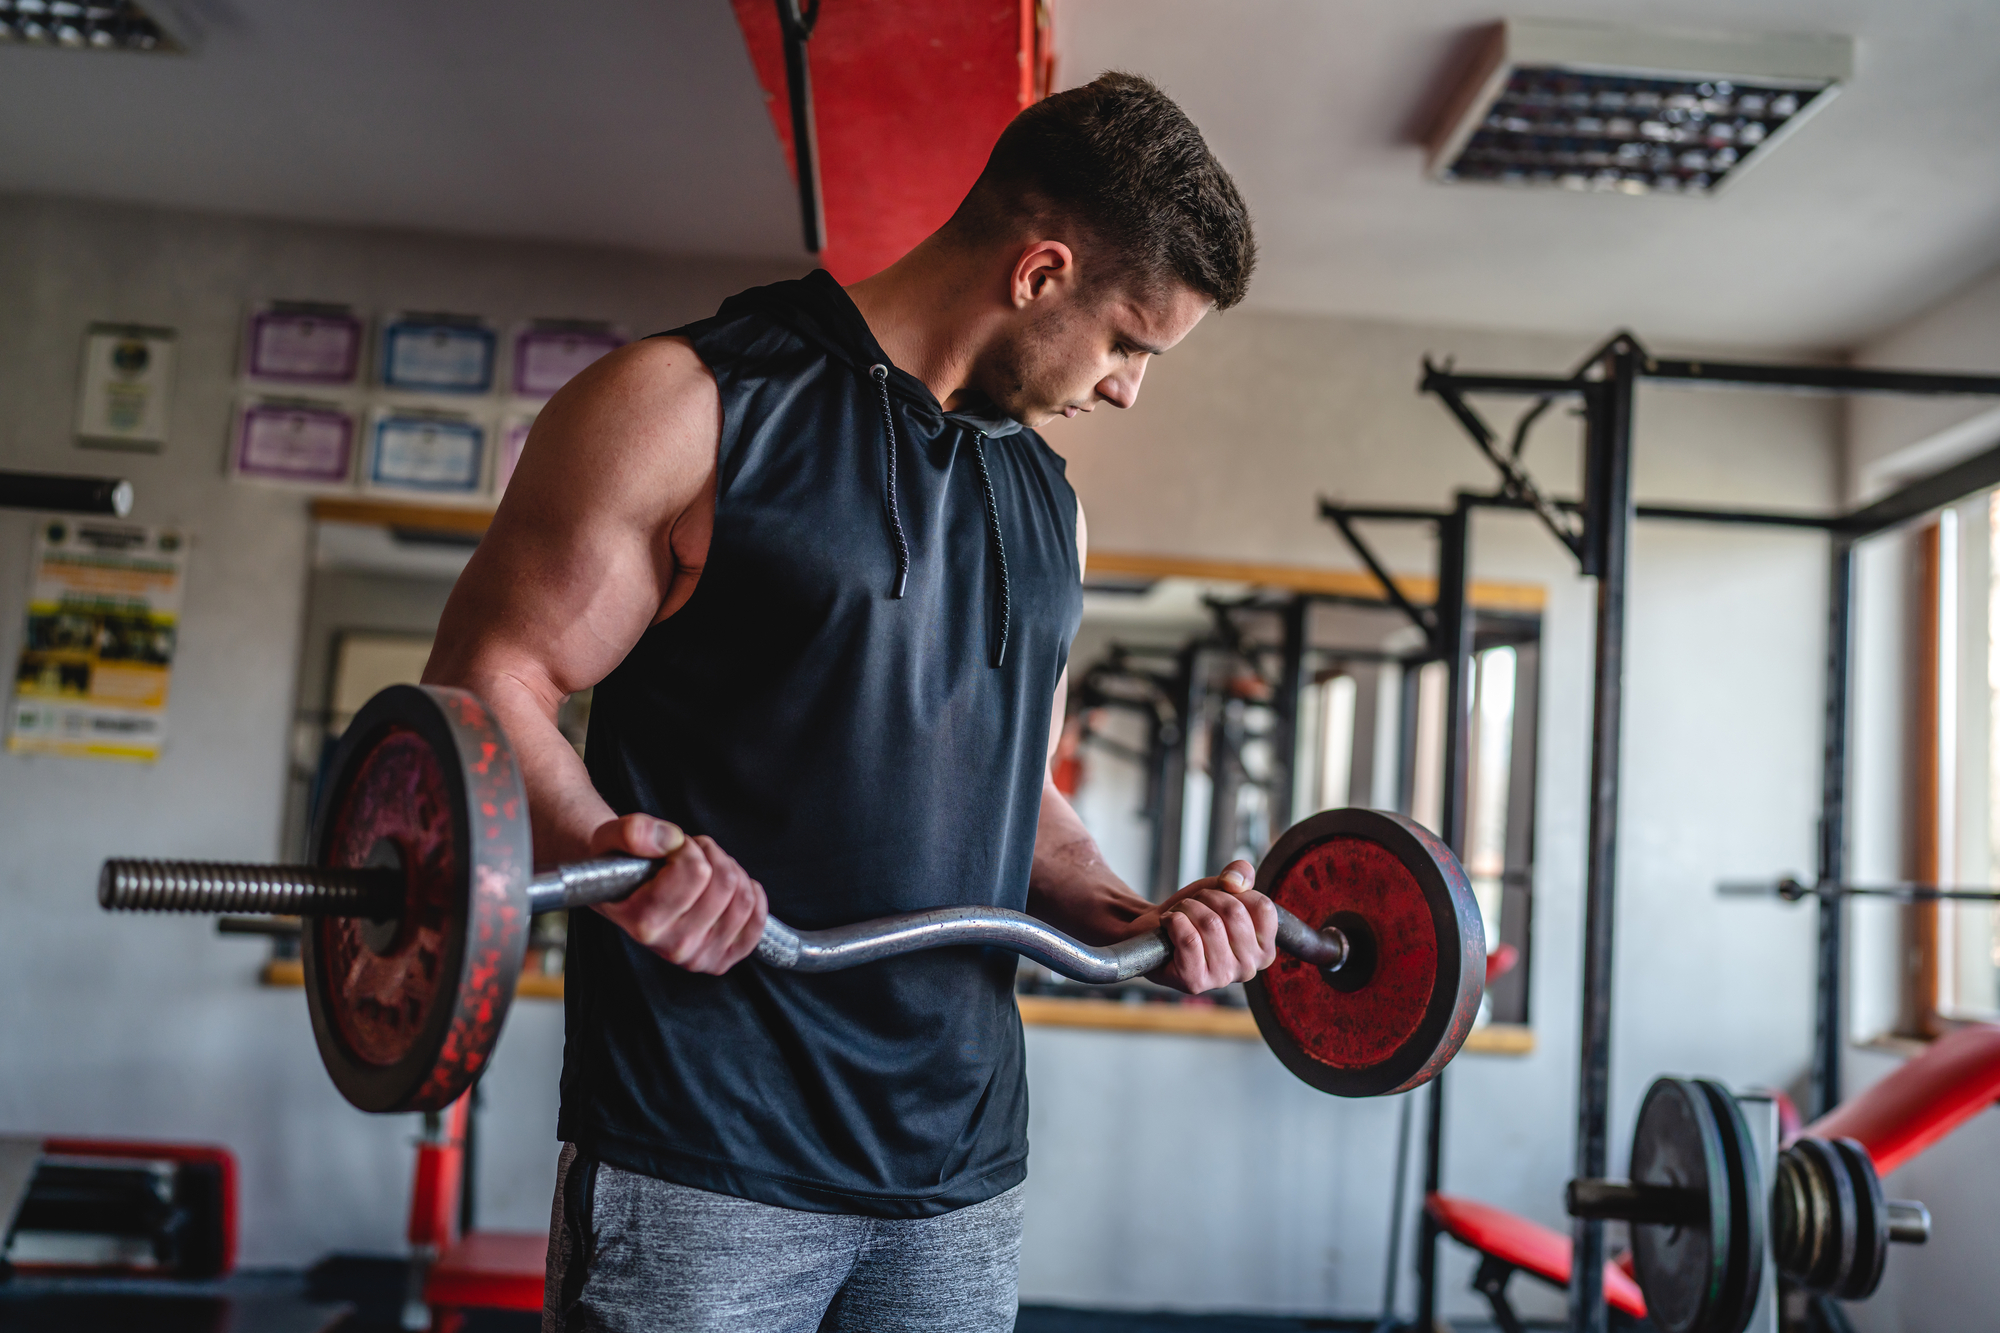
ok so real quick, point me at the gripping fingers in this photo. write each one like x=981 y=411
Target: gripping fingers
x=1186 y=967
x=693 y=936
x=1214 y=963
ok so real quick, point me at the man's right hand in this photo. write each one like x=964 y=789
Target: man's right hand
x=702 y=911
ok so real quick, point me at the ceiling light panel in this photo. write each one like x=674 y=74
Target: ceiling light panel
x=1630 y=110
x=108 y=25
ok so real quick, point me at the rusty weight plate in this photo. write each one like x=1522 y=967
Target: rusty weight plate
x=1393 y=1017
x=406 y=1012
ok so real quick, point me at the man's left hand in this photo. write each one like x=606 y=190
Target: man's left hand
x=1223 y=931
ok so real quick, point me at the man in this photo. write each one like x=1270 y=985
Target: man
x=825 y=582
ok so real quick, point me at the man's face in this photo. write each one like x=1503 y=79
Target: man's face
x=1086 y=349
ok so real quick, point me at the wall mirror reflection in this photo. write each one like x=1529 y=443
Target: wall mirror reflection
x=1210 y=707
x=1208 y=712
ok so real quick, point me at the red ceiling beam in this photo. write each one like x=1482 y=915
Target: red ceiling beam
x=909 y=96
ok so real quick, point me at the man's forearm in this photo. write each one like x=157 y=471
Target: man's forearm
x=563 y=807
x=1070 y=886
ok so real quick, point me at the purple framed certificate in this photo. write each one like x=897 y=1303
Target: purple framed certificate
x=548 y=354
x=303 y=344
x=312 y=443
x=513 y=436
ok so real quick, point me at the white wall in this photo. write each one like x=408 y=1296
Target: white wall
x=153 y=1026
x=1199 y=1174
x=1168 y=1171
x=1950 y=1283
x=1890 y=439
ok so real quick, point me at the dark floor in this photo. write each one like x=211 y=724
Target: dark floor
x=352 y=1294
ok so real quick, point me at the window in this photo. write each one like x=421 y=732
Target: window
x=1954 y=762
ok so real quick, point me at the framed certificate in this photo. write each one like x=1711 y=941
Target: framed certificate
x=291 y=441
x=438 y=353
x=127 y=381
x=301 y=342
x=550 y=351
x=442 y=453
x=513 y=436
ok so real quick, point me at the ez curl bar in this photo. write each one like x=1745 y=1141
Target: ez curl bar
x=420 y=891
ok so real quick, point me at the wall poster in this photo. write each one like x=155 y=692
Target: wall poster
x=103 y=613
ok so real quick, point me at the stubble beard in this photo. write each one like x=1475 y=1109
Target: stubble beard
x=1024 y=380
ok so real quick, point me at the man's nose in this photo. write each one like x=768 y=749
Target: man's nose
x=1122 y=390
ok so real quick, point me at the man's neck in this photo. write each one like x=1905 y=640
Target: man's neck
x=928 y=312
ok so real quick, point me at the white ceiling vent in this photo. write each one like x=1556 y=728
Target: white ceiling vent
x=1627 y=109
x=102 y=25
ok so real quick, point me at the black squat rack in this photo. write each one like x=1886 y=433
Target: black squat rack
x=1596 y=531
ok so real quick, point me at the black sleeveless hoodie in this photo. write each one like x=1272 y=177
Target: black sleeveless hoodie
x=855 y=704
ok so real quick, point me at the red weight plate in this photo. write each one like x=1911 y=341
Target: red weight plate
x=382 y=1002
x=407 y=1014
x=1393 y=1018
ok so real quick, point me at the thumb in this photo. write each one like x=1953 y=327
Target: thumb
x=1238 y=876
x=637 y=835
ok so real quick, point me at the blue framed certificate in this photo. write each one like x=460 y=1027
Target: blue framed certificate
x=435 y=452
x=438 y=354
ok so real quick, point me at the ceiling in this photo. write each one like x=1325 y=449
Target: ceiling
x=640 y=123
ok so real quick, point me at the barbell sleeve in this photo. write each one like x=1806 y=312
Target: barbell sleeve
x=1625 y=1201
x=219 y=886
x=73 y=495
x=1909 y=1222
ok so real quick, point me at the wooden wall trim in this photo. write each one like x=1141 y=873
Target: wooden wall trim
x=1487 y=594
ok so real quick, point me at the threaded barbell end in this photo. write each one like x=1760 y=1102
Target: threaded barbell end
x=211 y=886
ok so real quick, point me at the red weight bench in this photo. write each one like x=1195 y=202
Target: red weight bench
x=1930 y=1096
x=1508 y=1244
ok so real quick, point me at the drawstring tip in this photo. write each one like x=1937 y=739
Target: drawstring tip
x=902 y=582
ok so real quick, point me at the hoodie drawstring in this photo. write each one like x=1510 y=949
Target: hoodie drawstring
x=999 y=547
x=880 y=374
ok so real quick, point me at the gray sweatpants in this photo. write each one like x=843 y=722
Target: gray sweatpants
x=631 y=1254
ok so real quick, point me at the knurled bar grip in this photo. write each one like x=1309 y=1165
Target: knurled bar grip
x=217 y=886
x=191 y=886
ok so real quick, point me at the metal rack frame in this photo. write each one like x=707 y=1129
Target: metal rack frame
x=1596 y=530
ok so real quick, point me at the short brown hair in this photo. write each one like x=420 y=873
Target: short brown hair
x=1122 y=162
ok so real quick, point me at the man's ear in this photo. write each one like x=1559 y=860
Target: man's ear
x=1042 y=269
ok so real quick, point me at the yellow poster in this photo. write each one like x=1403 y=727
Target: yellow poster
x=102 y=617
